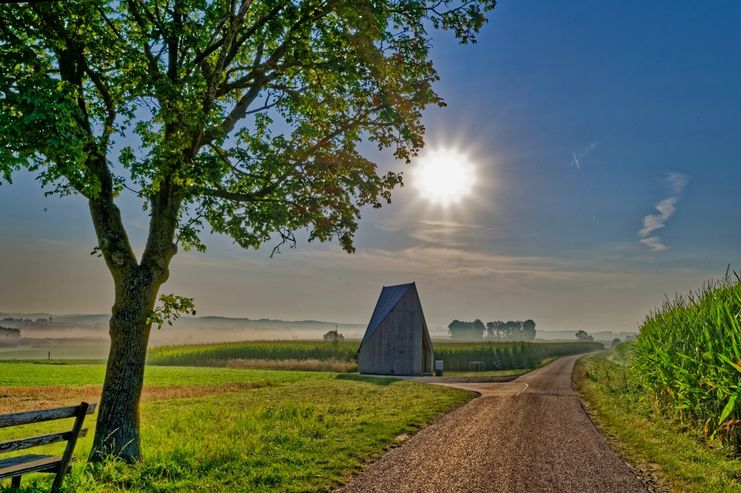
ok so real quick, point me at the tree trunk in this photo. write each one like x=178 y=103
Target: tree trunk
x=117 y=431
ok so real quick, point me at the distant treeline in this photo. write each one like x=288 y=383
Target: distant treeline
x=8 y=332
x=513 y=330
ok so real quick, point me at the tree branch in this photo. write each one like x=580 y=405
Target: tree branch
x=238 y=112
x=261 y=77
x=240 y=197
x=151 y=59
x=112 y=238
x=105 y=94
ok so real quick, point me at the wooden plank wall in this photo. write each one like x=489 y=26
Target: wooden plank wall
x=396 y=347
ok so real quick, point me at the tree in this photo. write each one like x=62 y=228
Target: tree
x=467 y=331
x=334 y=336
x=491 y=329
x=616 y=341
x=583 y=336
x=528 y=329
x=241 y=116
x=511 y=330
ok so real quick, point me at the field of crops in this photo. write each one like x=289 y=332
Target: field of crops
x=507 y=355
x=226 y=354
x=688 y=356
x=619 y=404
x=457 y=356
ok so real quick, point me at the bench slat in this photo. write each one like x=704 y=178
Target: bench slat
x=39 y=416
x=28 y=463
x=24 y=443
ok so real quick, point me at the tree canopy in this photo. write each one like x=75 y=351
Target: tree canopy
x=240 y=117
x=513 y=330
x=334 y=336
x=583 y=336
x=469 y=331
x=499 y=330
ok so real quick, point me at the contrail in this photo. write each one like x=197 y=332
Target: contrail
x=666 y=209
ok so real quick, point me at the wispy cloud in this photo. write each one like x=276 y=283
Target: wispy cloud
x=666 y=209
x=444 y=233
x=451 y=264
x=578 y=156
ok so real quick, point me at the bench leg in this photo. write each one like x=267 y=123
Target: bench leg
x=15 y=482
x=57 y=484
x=58 y=479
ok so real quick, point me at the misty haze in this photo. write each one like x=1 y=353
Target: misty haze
x=361 y=246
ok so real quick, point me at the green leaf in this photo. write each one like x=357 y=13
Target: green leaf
x=728 y=409
x=728 y=360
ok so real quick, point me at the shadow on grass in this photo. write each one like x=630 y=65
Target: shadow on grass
x=37 y=484
x=374 y=379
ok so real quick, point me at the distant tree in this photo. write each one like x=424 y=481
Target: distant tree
x=528 y=329
x=616 y=341
x=583 y=336
x=237 y=117
x=10 y=333
x=334 y=336
x=467 y=331
x=513 y=330
x=478 y=328
x=490 y=330
x=493 y=328
x=456 y=329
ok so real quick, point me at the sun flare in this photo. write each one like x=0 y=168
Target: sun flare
x=444 y=176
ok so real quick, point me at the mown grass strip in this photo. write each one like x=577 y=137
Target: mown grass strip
x=652 y=443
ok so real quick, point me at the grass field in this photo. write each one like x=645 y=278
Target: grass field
x=645 y=437
x=222 y=429
x=323 y=356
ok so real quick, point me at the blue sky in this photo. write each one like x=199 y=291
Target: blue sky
x=581 y=118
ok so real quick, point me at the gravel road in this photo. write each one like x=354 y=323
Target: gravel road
x=527 y=435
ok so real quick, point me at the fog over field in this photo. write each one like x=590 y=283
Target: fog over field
x=86 y=336
x=83 y=336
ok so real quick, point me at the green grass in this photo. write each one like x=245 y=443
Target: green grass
x=297 y=431
x=487 y=374
x=40 y=374
x=688 y=356
x=678 y=455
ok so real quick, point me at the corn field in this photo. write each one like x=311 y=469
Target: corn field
x=506 y=355
x=688 y=355
x=221 y=353
x=307 y=355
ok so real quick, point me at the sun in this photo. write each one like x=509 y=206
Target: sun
x=444 y=176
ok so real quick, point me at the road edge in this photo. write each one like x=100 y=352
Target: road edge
x=644 y=472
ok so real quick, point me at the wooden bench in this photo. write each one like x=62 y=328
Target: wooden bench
x=15 y=467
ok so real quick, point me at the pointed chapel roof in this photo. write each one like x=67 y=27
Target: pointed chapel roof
x=390 y=296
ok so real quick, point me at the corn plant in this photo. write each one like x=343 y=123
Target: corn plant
x=688 y=356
